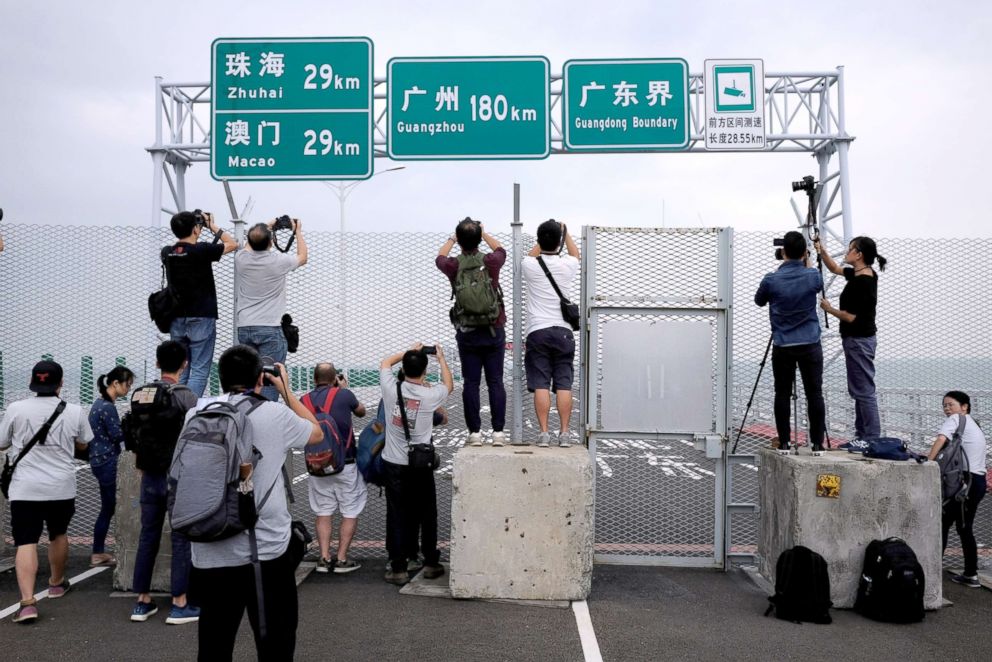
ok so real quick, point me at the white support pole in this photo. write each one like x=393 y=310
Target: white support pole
x=180 y=168
x=842 y=146
x=239 y=231
x=517 y=434
x=158 y=158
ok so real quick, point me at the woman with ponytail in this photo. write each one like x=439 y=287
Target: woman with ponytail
x=104 y=450
x=856 y=312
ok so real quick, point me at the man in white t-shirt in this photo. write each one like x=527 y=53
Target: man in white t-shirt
x=411 y=496
x=550 y=341
x=223 y=578
x=262 y=292
x=43 y=486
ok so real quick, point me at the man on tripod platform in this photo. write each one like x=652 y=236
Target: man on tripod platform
x=791 y=293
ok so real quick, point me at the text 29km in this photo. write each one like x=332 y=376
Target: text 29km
x=328 y=144
x=328 y=78
x=485 y=108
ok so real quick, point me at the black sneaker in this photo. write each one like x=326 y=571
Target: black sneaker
x=965 y=580
x=433 y=571
x=399 y=578
x=346 y=566
x=414 y=565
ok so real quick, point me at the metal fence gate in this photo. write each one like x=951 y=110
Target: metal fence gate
x=656 y=368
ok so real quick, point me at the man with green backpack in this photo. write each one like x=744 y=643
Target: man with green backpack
x=479 y=317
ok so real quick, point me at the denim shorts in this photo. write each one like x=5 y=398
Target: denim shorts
x=549 y=359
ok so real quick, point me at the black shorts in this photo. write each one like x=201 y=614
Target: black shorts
x=549 y=359
x=28 y=517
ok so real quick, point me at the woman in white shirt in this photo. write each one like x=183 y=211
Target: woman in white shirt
x=957 y=404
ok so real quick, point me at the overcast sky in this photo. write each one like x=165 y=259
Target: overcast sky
x=77 y=90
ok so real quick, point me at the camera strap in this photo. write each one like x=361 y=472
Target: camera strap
x=289 y=244
x=547 y=272
x=40 y=435
x=402 y=404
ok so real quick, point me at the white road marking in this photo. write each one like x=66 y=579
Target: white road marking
x=587 y=636
x=44 y=594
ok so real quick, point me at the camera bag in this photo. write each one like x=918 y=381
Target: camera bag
x=163 y=305
x=569 y=310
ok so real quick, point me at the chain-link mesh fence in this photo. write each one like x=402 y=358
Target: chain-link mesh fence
x=79 y=295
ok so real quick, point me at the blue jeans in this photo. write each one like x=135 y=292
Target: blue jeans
x=106 y=476
x=859 y=355
x=479 y=350
x=268 y=341
x=197 y=334
x=153 y=510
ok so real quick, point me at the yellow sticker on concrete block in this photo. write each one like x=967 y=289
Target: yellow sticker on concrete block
x=828 y=485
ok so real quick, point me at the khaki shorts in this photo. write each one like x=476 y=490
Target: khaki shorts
x=344 y=492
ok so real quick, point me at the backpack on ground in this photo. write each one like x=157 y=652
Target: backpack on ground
x=892 y=583
x=477 y=302
x=370 y=445
x=955 y=472
x=210 y=498
x=153 y=424
x=887 y=448
x=327 y=457
x=802 y=587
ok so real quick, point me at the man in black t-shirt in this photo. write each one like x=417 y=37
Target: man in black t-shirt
x=188 y=266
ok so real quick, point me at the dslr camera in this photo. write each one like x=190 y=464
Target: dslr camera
x=201 y=219
x=269 y=366
x=779 y=242
x=284 y=222
x=806 y=184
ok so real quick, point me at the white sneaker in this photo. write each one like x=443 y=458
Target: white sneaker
x=564 y=439
x=499 y=438
x=474 y=438
x=544 y=440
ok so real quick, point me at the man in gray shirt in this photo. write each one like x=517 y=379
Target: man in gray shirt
x=262 y=292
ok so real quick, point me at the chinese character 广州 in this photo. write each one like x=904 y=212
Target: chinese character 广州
x=625 y=93
x=272 y=64
x=237 y=133
x=659 y=90
x=237 y=64
x=447 y=97
x=585 y=91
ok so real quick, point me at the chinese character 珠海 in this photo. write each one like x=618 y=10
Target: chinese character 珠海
x=625 y=94
x=271 y=64
x=659 y=90
x=237 y=64
x=237 y=133
x=585 y=90
x=447 y=97
x=409 y=93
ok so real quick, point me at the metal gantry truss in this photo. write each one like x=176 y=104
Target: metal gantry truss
x=804 y=112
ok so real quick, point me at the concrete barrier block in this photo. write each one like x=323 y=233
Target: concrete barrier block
x=522 y=523
x=838 y=503
x=127 y=529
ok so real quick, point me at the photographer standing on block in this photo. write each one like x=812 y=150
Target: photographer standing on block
x=262 y=291
x=479 y=318
x=189 y=269
x=409 y=459
x=550 y=340
x=792 y=293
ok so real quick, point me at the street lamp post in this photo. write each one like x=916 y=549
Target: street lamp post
x=342 y=190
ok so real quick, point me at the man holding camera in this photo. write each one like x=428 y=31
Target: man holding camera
x=344 y=491
x=479 y=318
x=262 y=291
x=550 y=340
x=409 y=459
x=189 y=268
x=792 y=293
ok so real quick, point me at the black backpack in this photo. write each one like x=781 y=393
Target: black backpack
x=955 y=472
x=156 y=418
x=892 y=583
x=802 y=587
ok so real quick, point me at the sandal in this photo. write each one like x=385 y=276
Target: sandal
x=100 y=560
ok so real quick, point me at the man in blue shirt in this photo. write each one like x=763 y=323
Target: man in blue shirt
x=792 y=293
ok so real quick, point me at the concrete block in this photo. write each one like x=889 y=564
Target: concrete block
x=877 y=499
x=127 y=529
x=522 y=523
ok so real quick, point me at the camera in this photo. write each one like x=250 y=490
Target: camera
x=429 y=349
x=200 y=218
x=779 y=242
x=807 y=184
x=284 y=222
x=269 y=366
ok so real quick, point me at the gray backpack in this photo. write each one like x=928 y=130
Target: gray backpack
x=955 y=472
x=208 y=498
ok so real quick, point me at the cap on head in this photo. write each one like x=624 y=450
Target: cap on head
x=46 y=378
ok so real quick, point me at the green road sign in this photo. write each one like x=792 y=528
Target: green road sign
x=291 y=109
x=468 y=108
x=625 y=104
